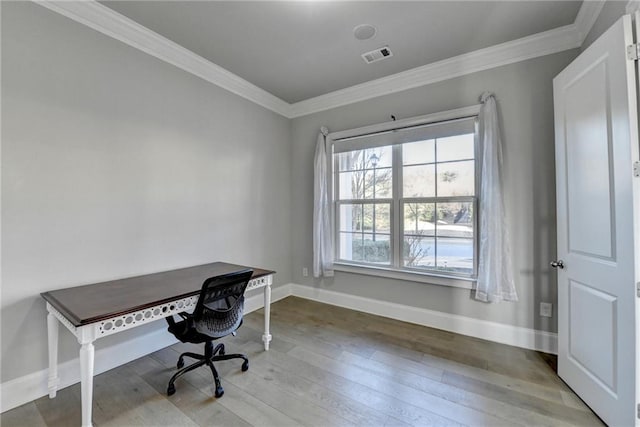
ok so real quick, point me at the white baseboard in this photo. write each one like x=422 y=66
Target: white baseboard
x=492 y=331
x=33 y=386
x=30 y=387
x=256 y=302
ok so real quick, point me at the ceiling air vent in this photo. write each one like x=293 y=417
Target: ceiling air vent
x=377 y=55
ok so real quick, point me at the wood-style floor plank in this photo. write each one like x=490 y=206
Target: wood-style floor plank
x=123 y=399
x=25 y=415
x=328 y=398
x=393 y=388
x=329 y=366
x=511 y=383
x=557 y=410
x=374 y=399
x=513 y=414
x=62 y=411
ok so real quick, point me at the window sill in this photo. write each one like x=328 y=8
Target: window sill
x=412 y=276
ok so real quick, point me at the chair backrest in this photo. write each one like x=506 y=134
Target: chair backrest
x=221 y=303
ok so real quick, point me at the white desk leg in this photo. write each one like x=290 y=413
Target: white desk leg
x=52 y=332
x=86 y=381
x=266 y=338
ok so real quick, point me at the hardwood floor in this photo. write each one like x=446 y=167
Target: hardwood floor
x=330 y=366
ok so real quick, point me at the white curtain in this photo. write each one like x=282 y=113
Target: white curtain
x=495 y=276
x=322 y=241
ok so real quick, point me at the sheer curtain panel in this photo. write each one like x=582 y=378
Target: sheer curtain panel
x=495 y=277
x=322 y=240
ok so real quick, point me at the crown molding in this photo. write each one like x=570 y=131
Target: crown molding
x=533 y=46
x=111 y=23
x=632 y=6
x=587 y=15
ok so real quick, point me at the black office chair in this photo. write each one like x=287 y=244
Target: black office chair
x=218 y=313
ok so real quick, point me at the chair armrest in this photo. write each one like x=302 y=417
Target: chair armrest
x=189 y=323
x=170 y=320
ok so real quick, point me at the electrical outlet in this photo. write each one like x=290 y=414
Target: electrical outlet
x=546 y=309
x=305 y=272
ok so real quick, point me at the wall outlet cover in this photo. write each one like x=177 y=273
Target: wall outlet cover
x=546 y=309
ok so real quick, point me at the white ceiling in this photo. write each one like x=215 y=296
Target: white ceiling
x=300 y=50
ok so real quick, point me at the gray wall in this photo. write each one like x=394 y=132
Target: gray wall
x=116 y=164
x=525 y=100
x=610 y=13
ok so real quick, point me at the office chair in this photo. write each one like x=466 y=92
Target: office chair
x=218 y=313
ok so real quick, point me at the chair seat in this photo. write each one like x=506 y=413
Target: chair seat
x=186 y=334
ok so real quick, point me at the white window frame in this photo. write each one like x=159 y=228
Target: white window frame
x=395 y=272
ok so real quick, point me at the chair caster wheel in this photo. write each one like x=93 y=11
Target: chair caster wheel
x=245 y=366
x=219 y=391
x=171 y=390
x=180 y=363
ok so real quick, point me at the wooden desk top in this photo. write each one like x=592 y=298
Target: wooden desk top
x=92 y=303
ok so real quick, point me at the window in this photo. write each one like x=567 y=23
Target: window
x=405 y=199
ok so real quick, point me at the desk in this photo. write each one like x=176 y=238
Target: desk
x=95 y=311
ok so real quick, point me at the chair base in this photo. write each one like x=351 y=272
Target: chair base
x=210 y=355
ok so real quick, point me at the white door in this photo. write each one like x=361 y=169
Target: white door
x=596 y=145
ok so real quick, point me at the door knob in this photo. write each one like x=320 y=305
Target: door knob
x=557 y=264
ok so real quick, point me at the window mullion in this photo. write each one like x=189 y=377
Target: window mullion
x=335 y=197
x=396 y=213
x=435 y=208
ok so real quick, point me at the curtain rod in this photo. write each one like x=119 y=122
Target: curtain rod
x=413 y=122
x=382 y=132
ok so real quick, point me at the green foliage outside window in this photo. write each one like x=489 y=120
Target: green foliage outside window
x=372 y=251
